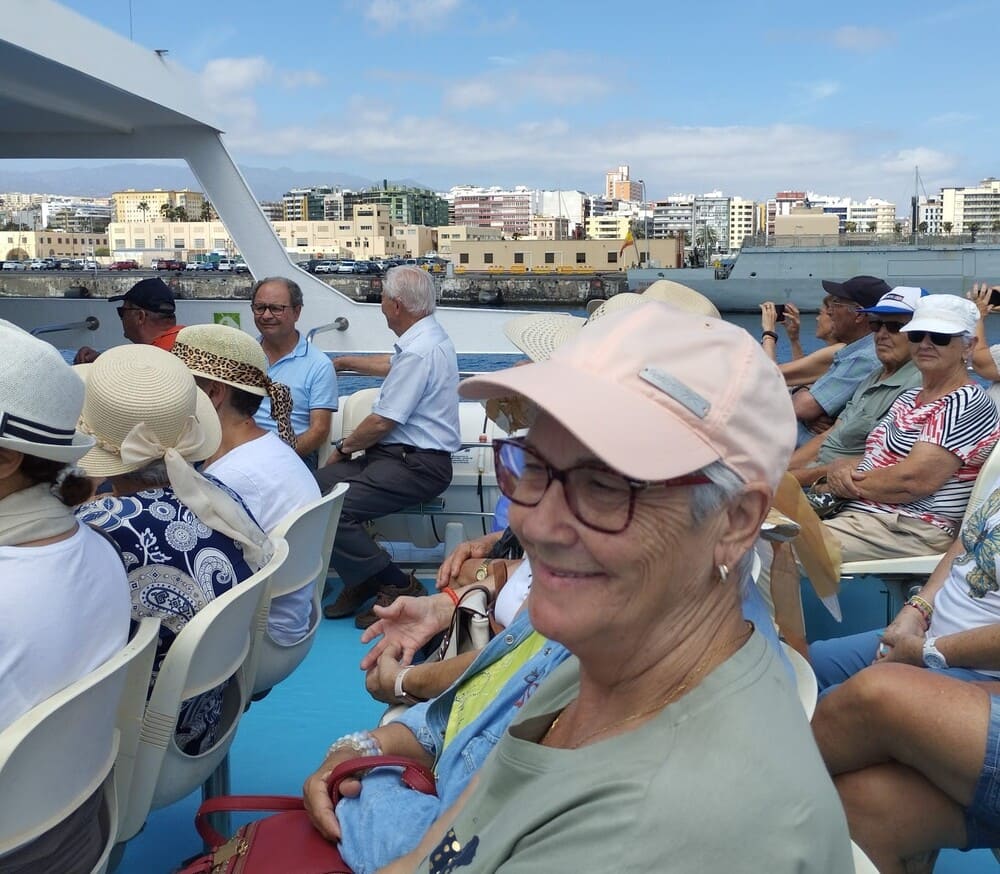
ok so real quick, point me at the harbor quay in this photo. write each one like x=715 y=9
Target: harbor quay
x=466 y=290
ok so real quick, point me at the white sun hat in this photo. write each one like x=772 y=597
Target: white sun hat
x=944 y=314
x=40 y=399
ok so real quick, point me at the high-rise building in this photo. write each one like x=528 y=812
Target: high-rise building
x=618 y=186
x=408 y=206
x=304 y=204
x=972 y=209
x=510 y=210
x=142 y=206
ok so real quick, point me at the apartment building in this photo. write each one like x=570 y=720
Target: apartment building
x=973 y=208
x=408 y=206
x=618 y=185
x=546 y=227
x=141 y=206
x=930 y=215
x=742 y=221
x=608 y=227
x=508 y=209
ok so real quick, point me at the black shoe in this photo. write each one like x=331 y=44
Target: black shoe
x=351 y=599
x=386 y=595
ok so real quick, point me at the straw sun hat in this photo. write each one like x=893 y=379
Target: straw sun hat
x=224 y=354
x=538 y=336
x=132 y=386
x=40 y=399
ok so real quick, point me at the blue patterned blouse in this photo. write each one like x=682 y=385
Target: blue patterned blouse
x=175 y=564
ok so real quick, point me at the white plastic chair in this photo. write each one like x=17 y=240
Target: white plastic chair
x=216 y=644
x=923 y=565
x=309 y=532
x=46 y=774
x=805 y=680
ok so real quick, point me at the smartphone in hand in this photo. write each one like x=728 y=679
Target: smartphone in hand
x=995 y=297
x=779 y=308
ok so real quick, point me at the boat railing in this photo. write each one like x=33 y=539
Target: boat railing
x=91 y=323
x=338 y=324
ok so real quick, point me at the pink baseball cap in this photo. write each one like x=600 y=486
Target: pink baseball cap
x=657 y=393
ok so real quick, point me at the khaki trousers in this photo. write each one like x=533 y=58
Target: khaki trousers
x=864 y=536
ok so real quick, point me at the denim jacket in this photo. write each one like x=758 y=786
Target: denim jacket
x=388 y=819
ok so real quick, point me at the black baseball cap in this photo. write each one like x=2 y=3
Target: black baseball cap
x=151 y=294
x=865 y=290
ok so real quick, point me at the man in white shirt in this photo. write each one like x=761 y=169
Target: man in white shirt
x=407 y=442
x=263 y=469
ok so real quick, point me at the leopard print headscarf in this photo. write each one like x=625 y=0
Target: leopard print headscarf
x=215 y=366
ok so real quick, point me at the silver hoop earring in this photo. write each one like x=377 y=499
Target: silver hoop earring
x=723 y=572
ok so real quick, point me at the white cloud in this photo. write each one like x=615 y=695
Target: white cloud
x=851 y=38
x=387 y=14
x=294 y=79
x=226 y=76
x=553 y=78
x=229 y=85
x=816 y=91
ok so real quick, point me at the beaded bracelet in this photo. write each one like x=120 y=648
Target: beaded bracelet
x=364 y=743
x=451 y=593
x=767 y=334
x=923 y=607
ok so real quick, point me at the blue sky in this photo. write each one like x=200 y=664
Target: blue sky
x=841 y=98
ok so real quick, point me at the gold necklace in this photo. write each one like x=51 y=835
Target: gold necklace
x=673 y=695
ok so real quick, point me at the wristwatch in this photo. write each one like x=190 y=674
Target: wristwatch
x=483 y=571
x=932 y=656
x=339 y=446
x=402 y=696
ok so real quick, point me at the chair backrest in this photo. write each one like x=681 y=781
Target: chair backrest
x=310 y=532
x=805 y=680
x=356 y=408
x=214 y=646
x=55 y=756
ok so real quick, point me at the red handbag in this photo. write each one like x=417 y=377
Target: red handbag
x=287 y=843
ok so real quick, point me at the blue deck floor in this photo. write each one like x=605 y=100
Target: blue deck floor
x=283 y=738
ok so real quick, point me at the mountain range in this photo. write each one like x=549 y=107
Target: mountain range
x=101 y=180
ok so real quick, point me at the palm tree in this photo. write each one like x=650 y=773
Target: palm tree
x=850 y=227
x=143 y=207
x=180 y=214
x=973 y=230
x=922 y=227
x=167 y=211
x=206 y=211
x=871 y=227
x=995 y=226
x=947 y=226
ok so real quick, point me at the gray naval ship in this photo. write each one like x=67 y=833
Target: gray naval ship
x=783 y=272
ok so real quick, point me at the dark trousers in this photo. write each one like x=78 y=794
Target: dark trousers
x=386 y=479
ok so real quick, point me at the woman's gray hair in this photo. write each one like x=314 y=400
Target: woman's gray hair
x=707 y=498
x=412 y=287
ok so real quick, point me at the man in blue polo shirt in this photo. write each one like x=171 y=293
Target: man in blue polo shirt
x=407 y=442
x=308 y=372
x=816 y=407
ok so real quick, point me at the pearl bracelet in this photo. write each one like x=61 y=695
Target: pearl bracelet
x=364 y=743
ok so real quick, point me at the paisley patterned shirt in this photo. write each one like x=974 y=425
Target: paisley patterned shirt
x=175 y=564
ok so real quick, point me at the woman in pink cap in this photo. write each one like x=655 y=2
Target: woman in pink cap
x=673 y=740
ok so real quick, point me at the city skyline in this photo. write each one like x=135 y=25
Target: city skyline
x=840 y=101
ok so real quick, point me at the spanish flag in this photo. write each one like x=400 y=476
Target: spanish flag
x=629 y=240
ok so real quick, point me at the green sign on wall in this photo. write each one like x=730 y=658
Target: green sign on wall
x=231 y=320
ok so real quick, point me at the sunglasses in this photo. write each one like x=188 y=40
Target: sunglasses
x=936 y=338
x=123 y=309
x=876 y=325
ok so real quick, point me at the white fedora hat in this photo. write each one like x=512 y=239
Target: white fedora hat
x=40 y=399
x=128 y=386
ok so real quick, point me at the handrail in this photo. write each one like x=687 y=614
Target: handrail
x=91 y=323
x=338 y=324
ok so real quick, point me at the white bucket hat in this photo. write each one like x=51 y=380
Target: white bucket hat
x=40 y=399
x=141 y=401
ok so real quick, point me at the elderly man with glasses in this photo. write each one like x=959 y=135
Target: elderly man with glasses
x=148 y=316
x=817 y=406
x=876 y=393
x=277 y=305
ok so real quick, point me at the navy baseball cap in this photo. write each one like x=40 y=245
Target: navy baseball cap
x=865 y=290
x=151 y=294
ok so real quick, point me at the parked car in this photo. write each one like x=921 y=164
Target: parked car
x=346 y=267
x=38 y=264
x=191 y=265
x=241 y=267
x=124 y=265
x=168 y=264
x=206 y=266
x=15 y=265
x=328 y=267
x=90 y=264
